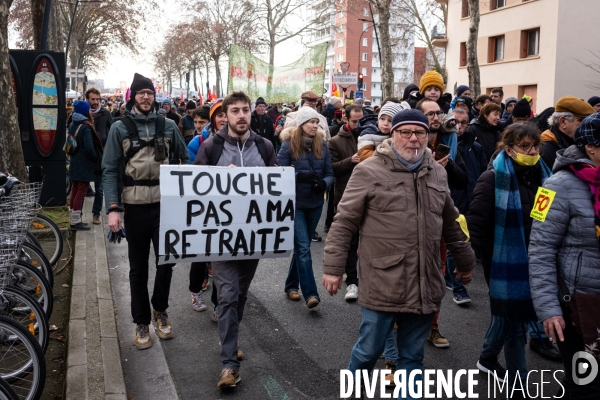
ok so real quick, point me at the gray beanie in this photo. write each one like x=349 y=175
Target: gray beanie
x=333 y=100
x=390 y=108
x=305 y=114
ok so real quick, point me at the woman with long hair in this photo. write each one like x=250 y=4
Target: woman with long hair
x=304 y=148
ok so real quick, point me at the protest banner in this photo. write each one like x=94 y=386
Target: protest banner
x=220 y=213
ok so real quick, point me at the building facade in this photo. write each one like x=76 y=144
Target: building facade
x=533 y=47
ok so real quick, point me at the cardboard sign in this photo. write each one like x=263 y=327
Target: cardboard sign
x=220 y=213
x=542 y=203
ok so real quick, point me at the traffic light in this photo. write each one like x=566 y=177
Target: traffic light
x=359 y=84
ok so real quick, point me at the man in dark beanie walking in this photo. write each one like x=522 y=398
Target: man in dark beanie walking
x=186 y=125
x=261 y=123
x=147 y=140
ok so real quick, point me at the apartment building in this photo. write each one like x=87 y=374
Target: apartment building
x=533 y=47
x=354 y=41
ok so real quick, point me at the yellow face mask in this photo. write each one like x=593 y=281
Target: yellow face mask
x=526 y=160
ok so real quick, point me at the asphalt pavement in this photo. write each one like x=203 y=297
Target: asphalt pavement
x=291 y=352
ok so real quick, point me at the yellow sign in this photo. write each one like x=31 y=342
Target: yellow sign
x=541 y=206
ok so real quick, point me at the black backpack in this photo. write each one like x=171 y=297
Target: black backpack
x=219 y=142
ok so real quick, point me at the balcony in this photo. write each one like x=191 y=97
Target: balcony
x=440 y=40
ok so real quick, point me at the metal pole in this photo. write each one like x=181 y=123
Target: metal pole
x=45 y=24
x=378 y=48
x=70 y=30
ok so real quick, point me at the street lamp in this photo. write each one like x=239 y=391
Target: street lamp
x=76 y=3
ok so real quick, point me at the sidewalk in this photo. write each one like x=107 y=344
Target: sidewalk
x=94 y=369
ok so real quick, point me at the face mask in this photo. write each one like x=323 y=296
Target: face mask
x=526 y=160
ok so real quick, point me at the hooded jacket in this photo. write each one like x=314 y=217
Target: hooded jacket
x=84 y=162
x=186 y=126
x=566 y=241
x=305 y=196
x=553 y=140
x=402 y=217
x=370 y=136
x=142 y=166
x=486 y=135
x=342 y=147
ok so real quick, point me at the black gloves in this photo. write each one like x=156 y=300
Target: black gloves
x=306 y=177
x=116 y=237
x=319 y=186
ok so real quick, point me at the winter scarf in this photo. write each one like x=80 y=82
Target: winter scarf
x=450 y=140
x=510 y=295
x=590 y=175
x=95 y=111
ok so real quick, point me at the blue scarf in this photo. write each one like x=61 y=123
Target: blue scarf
x=450 y=140
x=510 y=294
x=411 y=167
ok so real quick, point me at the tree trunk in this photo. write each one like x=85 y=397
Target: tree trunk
x=387 y=69
x=472 y=62
x=195 y=80
x=11 y=156
x=37 y=20
x=218 y=74
x=272 y=44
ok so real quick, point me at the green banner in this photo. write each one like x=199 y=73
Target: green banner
x=251 y=75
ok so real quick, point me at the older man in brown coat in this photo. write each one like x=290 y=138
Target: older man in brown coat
x=400 y=202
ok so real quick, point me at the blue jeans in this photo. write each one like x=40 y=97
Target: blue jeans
x=457 y=286
x=410 y=337
x=513 y=337
x=300 y=274
x=99 y=198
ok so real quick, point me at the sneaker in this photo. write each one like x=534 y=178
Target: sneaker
x=214 y=317
x=437 y=339
x=390 y=377
x=312 y=303
x=198 y=303
x=294 y=296
x=449 y=286
x=90 y=192
x=545 y=348
x=142 y=337
x=492 y=367
x=96 y=220
x=240 y=354
x=316 y=237
x=229 y=378
x=162 y=325
x=351 y=292
x=462 y=297
x=80 y=226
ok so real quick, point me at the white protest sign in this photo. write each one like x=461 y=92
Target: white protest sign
x=220 y=213
x=349 y=78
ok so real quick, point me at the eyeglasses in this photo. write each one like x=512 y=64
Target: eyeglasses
x=406 y=134
x=144 y=93
x=526 y=147
x=431 y=114
x=462 y=122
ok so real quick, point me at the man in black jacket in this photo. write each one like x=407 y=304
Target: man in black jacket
x=102 y=123
x=261 y=123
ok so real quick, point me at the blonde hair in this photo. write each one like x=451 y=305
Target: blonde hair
x=298 y=147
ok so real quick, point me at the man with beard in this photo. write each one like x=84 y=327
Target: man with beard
x=137 y=146
x=344 y=157
x=102 y=122
x=186 y=125
x=168 y=107
x=235 y=145
x=399 y=200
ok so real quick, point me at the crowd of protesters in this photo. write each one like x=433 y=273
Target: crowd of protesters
x=414 y=191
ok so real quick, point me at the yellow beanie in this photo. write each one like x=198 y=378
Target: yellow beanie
x=431 y=78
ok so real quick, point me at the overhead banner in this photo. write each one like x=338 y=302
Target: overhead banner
x=251 y=75
x=220 y=213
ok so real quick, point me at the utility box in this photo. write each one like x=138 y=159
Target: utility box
x=38 y=79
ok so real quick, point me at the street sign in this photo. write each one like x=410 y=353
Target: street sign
x=359 y=94
x=349 y=78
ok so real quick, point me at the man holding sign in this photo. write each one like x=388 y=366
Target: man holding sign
x=235 y=146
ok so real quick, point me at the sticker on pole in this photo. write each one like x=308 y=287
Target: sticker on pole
x=542 y=203
x=221 y=214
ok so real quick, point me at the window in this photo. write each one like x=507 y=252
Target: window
x=365 y=56
x=366 y=12
x=374 y=86
x=340 y=14
x=465 y=9
x=463 y=54
x=365 y=26
x=531 y=91
x=530 y=43
x=340 y=42
x=340 y=28
x=375 y=57
x=496 y=49
x=365 y=42
x=374 y=71
x=494 y=4
x=364 y=72
x=340 y=57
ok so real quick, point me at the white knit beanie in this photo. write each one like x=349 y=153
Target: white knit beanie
x=390 y=108
x=305 y=114
x=333 y=100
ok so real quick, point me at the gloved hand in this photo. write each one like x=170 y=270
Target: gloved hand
x=306 y=177
x=115 y=237
x=319 y=186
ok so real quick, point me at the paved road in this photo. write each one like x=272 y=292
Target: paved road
x=291 y=352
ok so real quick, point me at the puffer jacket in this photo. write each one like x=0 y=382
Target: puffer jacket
x=82 y=166
x=565 y=241
x=402 y=218
x=486 y=135
x=305 y=196
x=142 y=165
x=370 y=136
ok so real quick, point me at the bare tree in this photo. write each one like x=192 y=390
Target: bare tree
x=11 y=156
x=472 y=61
x=595 y=67
x=166 y=61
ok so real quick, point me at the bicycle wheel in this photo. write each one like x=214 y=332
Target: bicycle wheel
x=30 y=279
x=6 y=391
x=48 y=235
x=34 y=256
x=20 y=306
x=22 y=362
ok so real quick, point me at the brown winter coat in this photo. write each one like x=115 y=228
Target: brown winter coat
x=342 y=148
x=400 y=233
